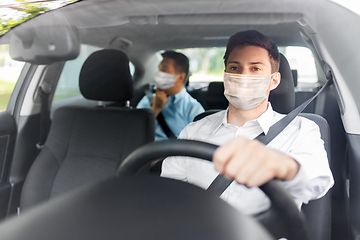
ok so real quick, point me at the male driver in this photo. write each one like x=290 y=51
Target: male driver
x=172 y=100
x=296 y=155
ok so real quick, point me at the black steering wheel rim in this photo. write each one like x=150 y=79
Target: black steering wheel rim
x=283 y=219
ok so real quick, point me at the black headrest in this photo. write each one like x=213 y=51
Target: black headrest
x=295 y=76
x=216 y=88
x=105 y=76
x=282 y=98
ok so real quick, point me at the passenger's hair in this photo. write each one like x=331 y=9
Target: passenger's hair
x=254 y=38
x=181 y=62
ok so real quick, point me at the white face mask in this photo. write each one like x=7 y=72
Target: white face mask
x=164 y=80
x=246 y=92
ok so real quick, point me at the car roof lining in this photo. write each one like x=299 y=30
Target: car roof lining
x=183 y=36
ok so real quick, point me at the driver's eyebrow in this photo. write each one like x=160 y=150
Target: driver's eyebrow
x=251 y=63
x=255 y=63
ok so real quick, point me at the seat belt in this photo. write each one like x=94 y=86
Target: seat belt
x=164 y=126
x=44 y=93
x=220 y=183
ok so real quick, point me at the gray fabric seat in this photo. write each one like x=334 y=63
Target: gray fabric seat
x=318 y=212
x=86 y=145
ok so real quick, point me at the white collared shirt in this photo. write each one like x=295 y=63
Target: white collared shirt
x=301 y=140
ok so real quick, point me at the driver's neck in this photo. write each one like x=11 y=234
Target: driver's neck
x=238 y=117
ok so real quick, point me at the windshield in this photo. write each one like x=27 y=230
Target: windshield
x=314 y=35
x=14 y=12
x=144 y=28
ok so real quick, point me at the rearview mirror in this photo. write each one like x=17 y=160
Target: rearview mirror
x=39 y=44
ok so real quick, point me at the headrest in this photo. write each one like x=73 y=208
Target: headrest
x=282 y=98
x=105 y=76
x=295 y=76
x=216 y=88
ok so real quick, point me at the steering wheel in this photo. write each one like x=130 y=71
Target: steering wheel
x=282 y=219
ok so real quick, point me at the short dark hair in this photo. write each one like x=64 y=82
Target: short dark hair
x=254 y=38
x=180 y=60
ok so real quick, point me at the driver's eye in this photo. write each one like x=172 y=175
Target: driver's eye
x=256 y=69
x=232 y=69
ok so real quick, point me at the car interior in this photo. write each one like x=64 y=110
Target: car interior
x=79 y=149
x=71 y=125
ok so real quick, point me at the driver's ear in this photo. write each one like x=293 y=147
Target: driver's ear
x=275 y=80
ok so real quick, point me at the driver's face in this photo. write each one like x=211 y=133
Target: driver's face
x=249 y=60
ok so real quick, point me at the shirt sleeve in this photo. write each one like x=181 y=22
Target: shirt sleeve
x=175 y=167
x=144 y=103
x=314 y=177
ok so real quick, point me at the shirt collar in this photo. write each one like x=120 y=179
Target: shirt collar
x=265 y=120
x=222 y=120
x=177 y=97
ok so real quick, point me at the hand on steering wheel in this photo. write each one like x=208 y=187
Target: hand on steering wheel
x=283 y=219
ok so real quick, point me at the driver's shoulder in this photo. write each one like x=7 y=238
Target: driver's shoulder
x=298 y=122
x=203 y=127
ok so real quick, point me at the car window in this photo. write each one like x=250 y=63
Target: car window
x=9 y=74
x=301 y=60
x=68 y=85
x=207 y=64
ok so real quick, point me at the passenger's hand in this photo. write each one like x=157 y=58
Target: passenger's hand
x=251 y=163
x=159 y=101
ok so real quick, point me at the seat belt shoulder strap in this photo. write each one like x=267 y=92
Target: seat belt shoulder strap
x=164 y=126
x=279 y=126
x=220 y=183
x=44 y=93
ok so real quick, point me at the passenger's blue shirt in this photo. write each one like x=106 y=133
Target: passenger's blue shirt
x=178 y=112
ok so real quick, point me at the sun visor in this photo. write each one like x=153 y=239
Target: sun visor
x=44 y=44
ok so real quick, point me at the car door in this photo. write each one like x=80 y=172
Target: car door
x=20 y=123
x=7 y=142
x=9 y=74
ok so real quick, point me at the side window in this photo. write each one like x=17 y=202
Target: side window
x=9 y=74
x=302 y=61
x=206 y=65
x=68 y=85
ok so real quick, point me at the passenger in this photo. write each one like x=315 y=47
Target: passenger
x=172 y=100
x=296 y=156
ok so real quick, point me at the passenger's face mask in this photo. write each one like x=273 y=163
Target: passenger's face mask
x=246 y=92
x=164 y=80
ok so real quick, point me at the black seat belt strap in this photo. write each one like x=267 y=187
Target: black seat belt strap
x=164 y=126
x=220 y=183
x=284 y=122
x=44 y=93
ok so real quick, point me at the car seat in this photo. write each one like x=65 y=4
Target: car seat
x=86 y=145
x=317 y=212
x=215 y=98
